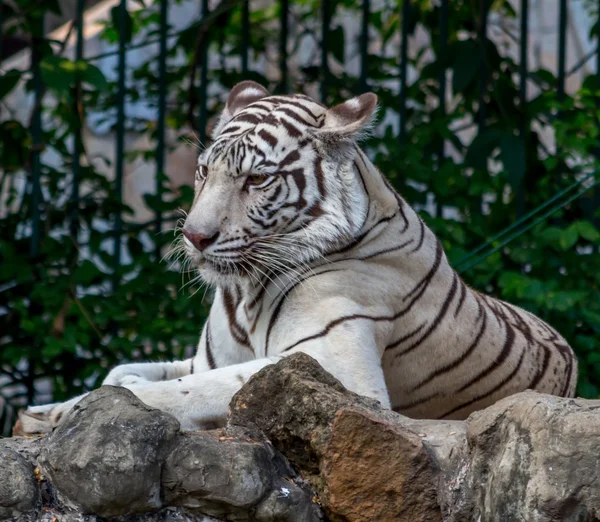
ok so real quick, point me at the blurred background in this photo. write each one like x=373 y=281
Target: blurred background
x=489 y=127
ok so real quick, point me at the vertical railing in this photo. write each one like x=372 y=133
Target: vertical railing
x=162 y=102
x=597 y=190
x=120 y=141
x=36 y=136
x=442 y=93
x=203 y=112
x=283 y=50
x=324 y=49
x=364 y=46
x=483 y=19
x=403 y=69
x=78 y=112
x=245 y=35
x=562 y=49
x=523 y=72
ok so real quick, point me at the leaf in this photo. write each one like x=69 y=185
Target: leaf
x=337 y=43
x=512 y=155
x=587 y=231
x=466 y=65
x=8 y=81
x=482 y=147
x=58 y=73
x=127 y=23
x=92 y=75
x=568 y=237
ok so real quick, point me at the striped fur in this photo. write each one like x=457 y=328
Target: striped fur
x=310 y=249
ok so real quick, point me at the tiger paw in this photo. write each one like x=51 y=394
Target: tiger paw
x=41 y=420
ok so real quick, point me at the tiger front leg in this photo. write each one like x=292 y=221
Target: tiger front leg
x=40 y=420
x=201 y=401
x=141 y=373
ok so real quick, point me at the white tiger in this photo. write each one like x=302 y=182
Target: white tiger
x=310 y=249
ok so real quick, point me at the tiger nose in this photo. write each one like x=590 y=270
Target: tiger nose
x=200 y=241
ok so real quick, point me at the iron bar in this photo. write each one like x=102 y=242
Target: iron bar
x=483 y=16
x=283 y=51
x=364 y=46
x=597 y=191
x=36 y=136
x=245 y=35
x=442 y=79
x=120 y=142
x=325 y=22
x=76 y=157
x=162 y=105
x=523 y=127
x=562 y=49
x=203 y=116
x=403 y=68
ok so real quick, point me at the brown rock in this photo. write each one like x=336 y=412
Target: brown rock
x=366 y=462
x=375 y=470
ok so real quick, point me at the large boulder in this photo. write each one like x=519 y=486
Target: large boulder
x=107 y=455
x=366 y=462
x=534 y=457
x=19 y=493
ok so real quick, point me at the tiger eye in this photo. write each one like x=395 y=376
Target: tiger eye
x=201 y=172
x=256 y=179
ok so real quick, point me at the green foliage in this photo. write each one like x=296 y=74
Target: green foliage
x=60 y=317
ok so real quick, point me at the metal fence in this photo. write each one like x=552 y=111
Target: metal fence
x=206 y=18
x=527 y=217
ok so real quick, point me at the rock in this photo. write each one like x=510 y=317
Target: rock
x=222 y=475
x=107 y=455
x=529 y=457
x=534 y=457
x=18 y=487
x=344 y=443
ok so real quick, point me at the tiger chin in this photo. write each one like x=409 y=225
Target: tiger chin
x=310 y=249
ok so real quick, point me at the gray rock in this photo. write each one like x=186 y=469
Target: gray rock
x=533 y=457
x=231 y=475
x=19 y=493
x=107 y=455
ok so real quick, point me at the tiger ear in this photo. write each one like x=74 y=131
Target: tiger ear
x=242 y=95
x=349 y=120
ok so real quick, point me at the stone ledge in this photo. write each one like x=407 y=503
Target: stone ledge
x=300 y=447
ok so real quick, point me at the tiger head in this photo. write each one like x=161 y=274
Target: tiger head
x=277 y=188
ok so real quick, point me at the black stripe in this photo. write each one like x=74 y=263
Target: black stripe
x=353 y=317
x=360 y=237
x=506 y=349
x=421 y=237
x=461 y=358
x=543 y=368
x=436 y=322
x=292 y=130
x=406 y=337
x=429 y=276
x=490 y=392
x=320 y=177
x=277 y=310
x=209 y=355
x=414 y=404
x=268 y=137
x=382 y=252
x=237 y=331
x=192 y=366
x=461 y=299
